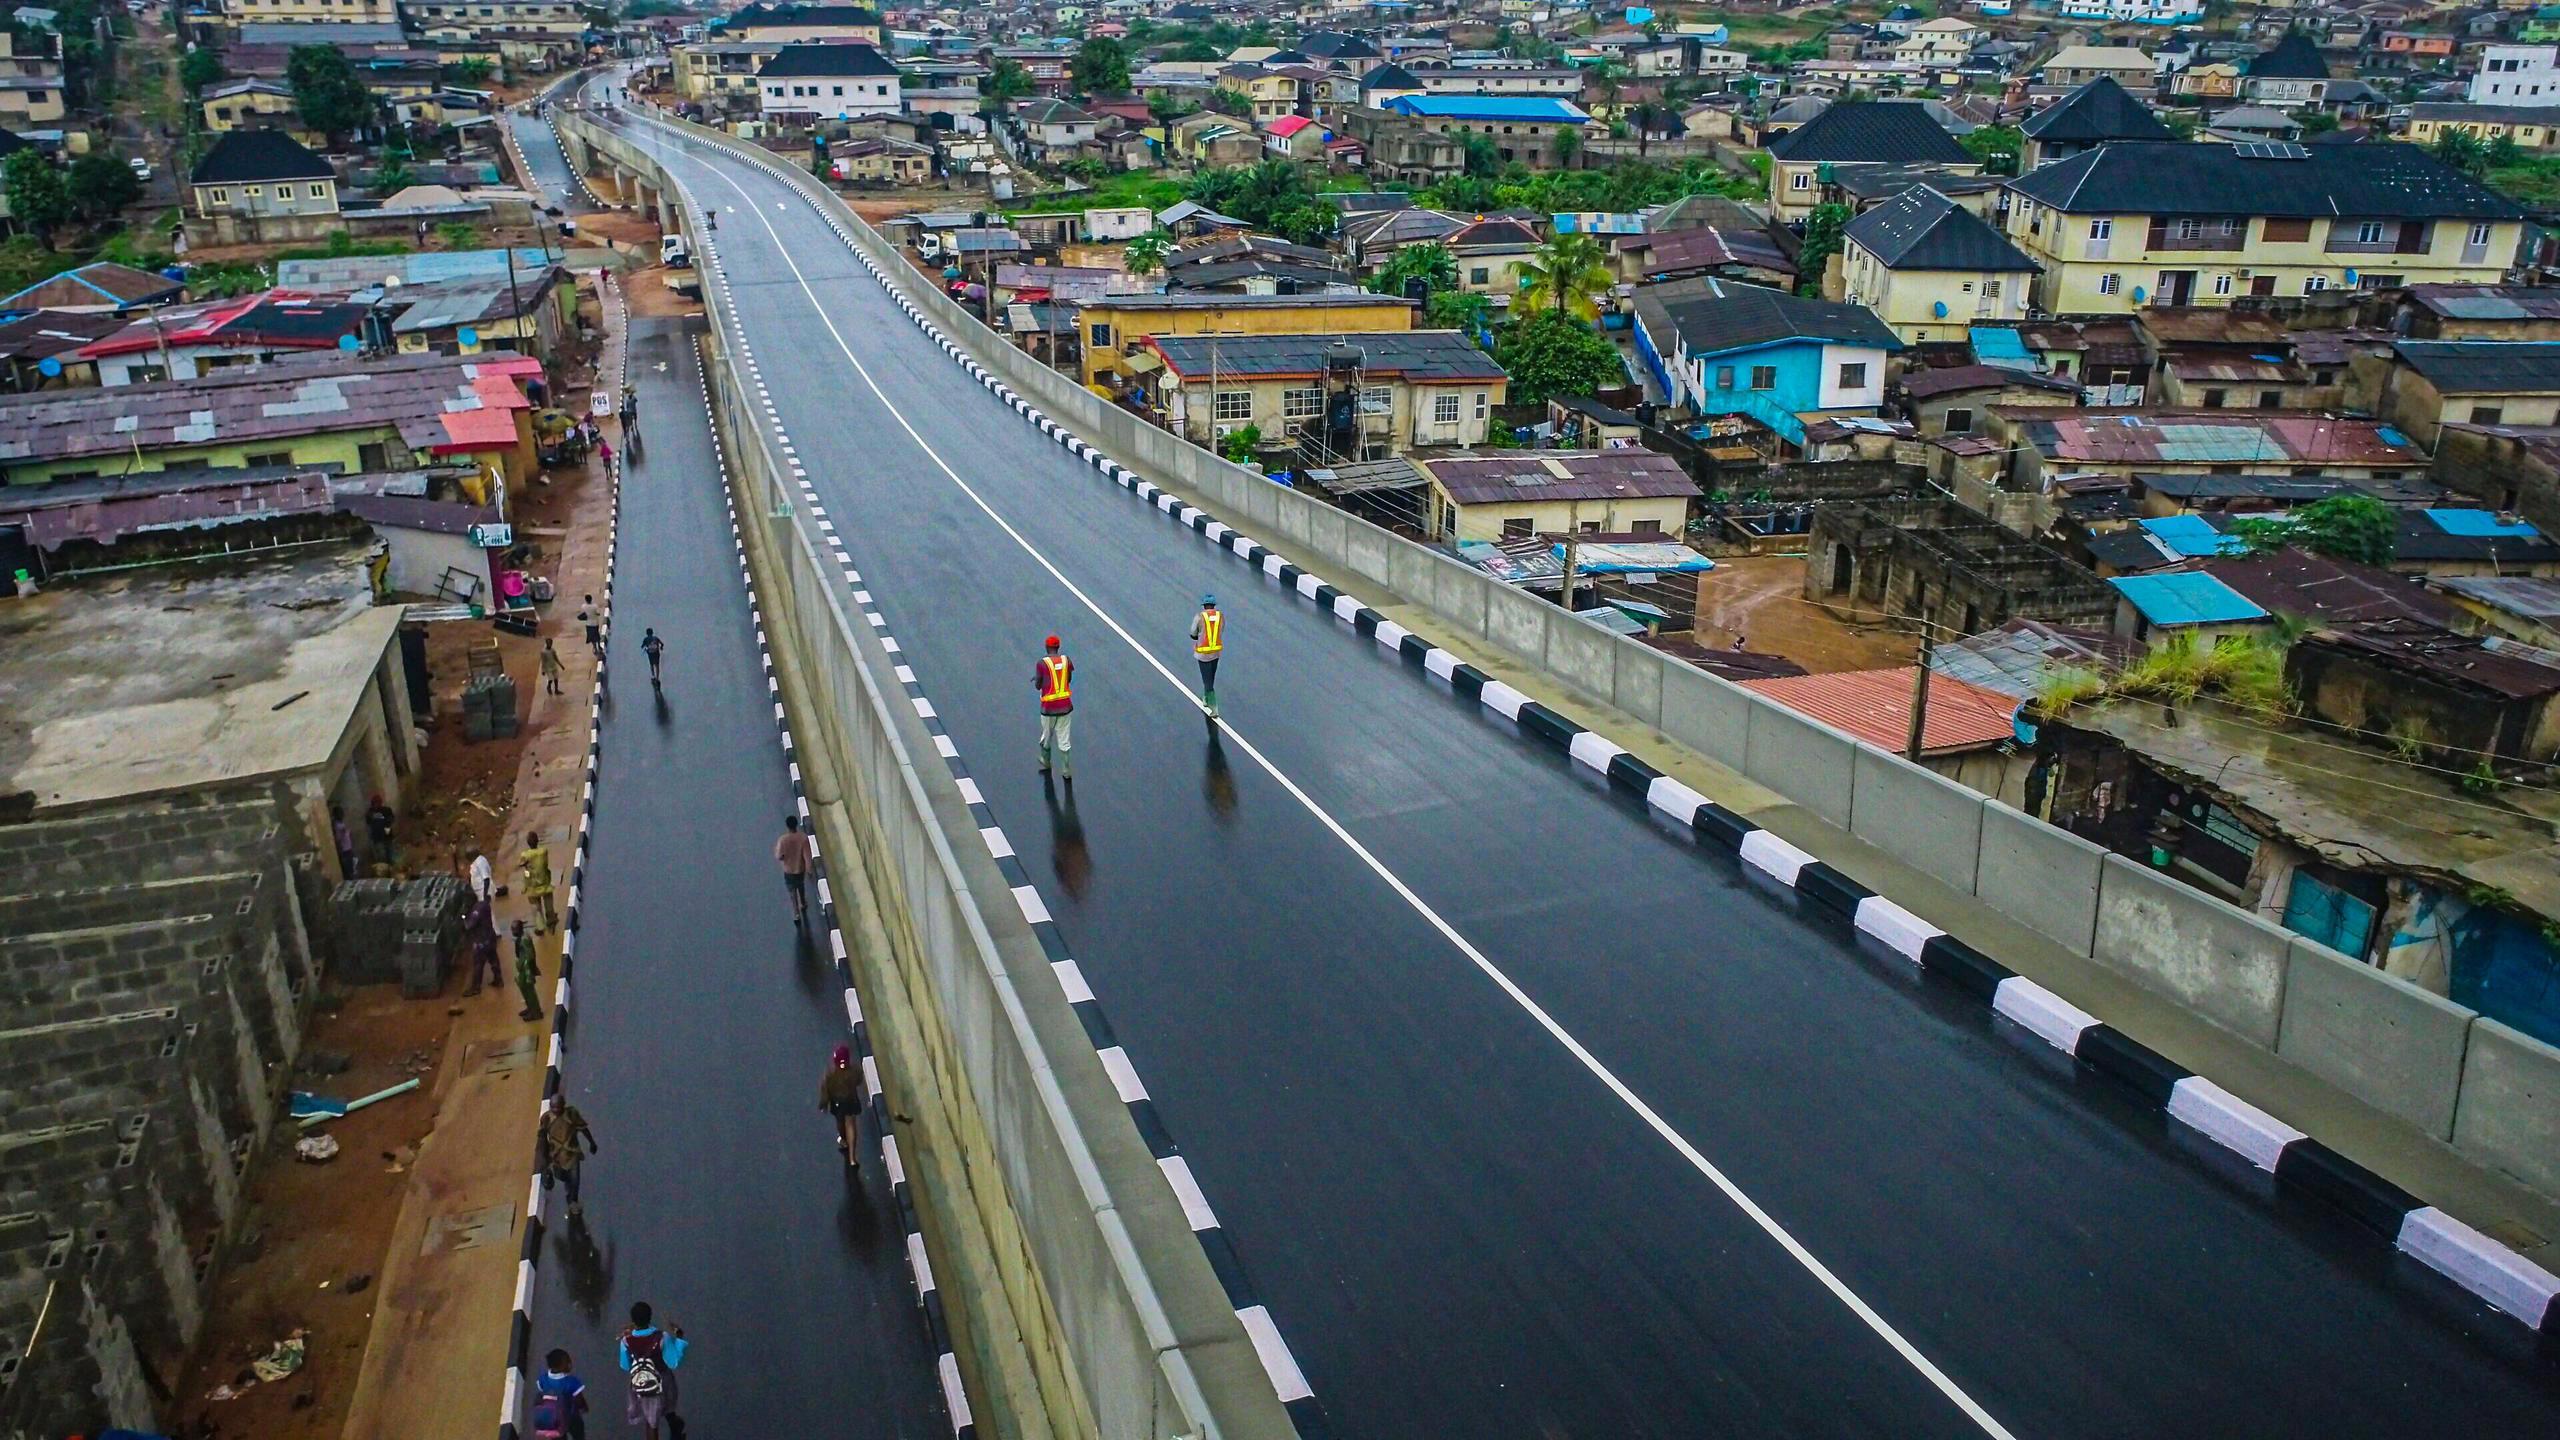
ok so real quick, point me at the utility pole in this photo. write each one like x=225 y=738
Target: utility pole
x=1572 y=550
x=1920 y=691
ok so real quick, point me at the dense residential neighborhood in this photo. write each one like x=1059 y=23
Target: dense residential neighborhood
x=2136 y=419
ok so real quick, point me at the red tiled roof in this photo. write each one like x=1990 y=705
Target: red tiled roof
x=478 y=429
x=1875 y=706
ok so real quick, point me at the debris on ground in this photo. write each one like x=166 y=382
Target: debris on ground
x=315 y=1149
x=281 y=1361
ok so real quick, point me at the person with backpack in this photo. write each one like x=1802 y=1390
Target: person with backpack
x=649 y=1358
x=561 y=1385
x=840 y=1095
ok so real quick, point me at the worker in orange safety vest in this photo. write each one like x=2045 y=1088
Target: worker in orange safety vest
x=1055 y=677
x=1208 y=637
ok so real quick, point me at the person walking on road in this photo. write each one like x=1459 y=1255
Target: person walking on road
x=535 y=863
x=484 y=880
x=791 y=852
x=551 y=667
x=564 y=1130
x=481 y=929
x=560 y=1381
x=528 y=973
x=1055 y=678
x=650 y=1357
x=595 y=627
x=379 y=824
x=840 y=1093
x=1208 y=637
x=655 y=649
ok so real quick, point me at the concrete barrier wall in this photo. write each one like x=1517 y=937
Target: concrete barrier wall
x=2509 y=1114
x=2223 y=962
x=2375 y=1036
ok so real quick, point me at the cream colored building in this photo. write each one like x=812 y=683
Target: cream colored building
x=722 y=70
x=1931 y=269
x=1630 y=491
x=2166 y=223
x=312 y=12
x=1423 y=388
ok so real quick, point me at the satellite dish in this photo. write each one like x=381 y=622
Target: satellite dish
x=348 y=343
x=1939 y=309
x=467 y=335
x=390 y=282
x=48 y=367
x=2137 y=294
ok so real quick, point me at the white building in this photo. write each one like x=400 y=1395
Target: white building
x=828 y=82
x=2135 y=12
x=2517 y=75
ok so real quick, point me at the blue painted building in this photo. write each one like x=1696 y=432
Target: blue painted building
x=1720 y=348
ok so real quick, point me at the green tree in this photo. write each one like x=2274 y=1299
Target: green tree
x=1235 y=104
x=2319 y=122
x=474 y=71
x=1101 y=67
x=1457 y=310
x=1239 y=445
x=2504 y=153
x=1164 y=107
x=1997 y=147
x=1551 y=354
x=327 y=90
x=201 y=67
x=2342 y=527
x=1006 y=80
x=38 y=199
x=1822 y=231
x=101 y=184
x=1566 y=276
x=1430 y=262
x=1484 y=158
x=394 y=176
x=1568 y=144
x=1309 y=222
x=1145 y=254
x=2462 y=150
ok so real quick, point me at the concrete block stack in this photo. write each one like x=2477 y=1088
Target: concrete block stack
x=381 y=931
x=489 y=707
x=155 y=977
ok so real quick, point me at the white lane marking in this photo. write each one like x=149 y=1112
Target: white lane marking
x=1644 y=1111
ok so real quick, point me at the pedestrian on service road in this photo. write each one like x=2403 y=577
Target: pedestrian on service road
x=594 y=621
x=379 y=824
x=792 y=852
x=650 y=1357
x=1055 y=679
x=551 y=667
x=840 y=1093
x=561 y=1382
x=484 y=879
x=481 y=929
x=564 y=1130
x=1208 y=637
x=345 y=839
x=528 y=973
x=535 y=863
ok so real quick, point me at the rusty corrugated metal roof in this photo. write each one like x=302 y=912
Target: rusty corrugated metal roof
x=1875 y=706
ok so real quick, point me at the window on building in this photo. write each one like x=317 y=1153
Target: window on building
x=1101 y=336
x=2213 y=399
x=2312 y=285
x=319 y=192
x=1800 y=180
x=2110 y=283
x=218 y=197
x=1853 y=376
x=1724 y=377
x=1484 y=404
x=2101 y=229
x=1444 y=409
x=1959 y=422
x=1764 y=377
x=1234 y=405
x=2270 y=399
x=270 y=457
x=1517 y=527
x=253 y=191
x=2488 y=414
x=2190 y=229
x=2368 y=232
x=1646 y=527
x=2221 y=284
x=1968 y=287
x=1302 y=403
x=2288 y=231
x=1479 y=275
x=2480 y=232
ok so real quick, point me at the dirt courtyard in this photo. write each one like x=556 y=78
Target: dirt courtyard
x=1757 y=602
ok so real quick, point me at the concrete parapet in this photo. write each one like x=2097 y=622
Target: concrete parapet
x=2220 y=961
x=2040 y=875
x=1804 y=760
x=2508 y=1116
x=1707 y=713
x=2375 y=1036
x=1932 y=822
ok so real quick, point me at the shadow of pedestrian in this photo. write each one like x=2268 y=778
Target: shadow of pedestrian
x=586 y=1270
x=1217 y=782
x=1068 y=856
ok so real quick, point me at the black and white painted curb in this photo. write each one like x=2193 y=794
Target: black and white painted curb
x=1288 y=1382
x=955 y=1397
x=520 y=1329
x=2298 y=1163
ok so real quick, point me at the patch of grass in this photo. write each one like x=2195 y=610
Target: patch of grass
x=1128 y=187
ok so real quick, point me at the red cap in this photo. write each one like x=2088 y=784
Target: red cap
x=1053 y=642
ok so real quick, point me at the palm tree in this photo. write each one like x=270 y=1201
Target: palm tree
x=1145 y=254
x=1568 y=275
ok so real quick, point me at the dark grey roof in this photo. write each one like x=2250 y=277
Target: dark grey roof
x=1333 y=44
x=1413 y=354
x=1389 y=77
x=1879 y=130
x=2170 y=177
x=1713 y=317
x=2485 y=367
x=2099 y=110
x=254 y=155
x=826 y=60
x=754 y=15
x=2293 y=58
x=1921 y=229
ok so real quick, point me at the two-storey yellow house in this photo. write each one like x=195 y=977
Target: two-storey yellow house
x=1931 y=269
x=1866 y=132
x=2169 y=223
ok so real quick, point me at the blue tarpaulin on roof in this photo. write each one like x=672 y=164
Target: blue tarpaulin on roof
x=2193 y=535
x=2186 y=599
x=2477 y=523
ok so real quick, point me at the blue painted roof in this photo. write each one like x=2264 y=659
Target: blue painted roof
x=2477 y=523
x=1488 y=107
x=2193 y=535
x=1991 y=344
x=2186 y=598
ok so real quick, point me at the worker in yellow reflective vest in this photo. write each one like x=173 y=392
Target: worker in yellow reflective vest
x=1055 y=677
x=1208 y=637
